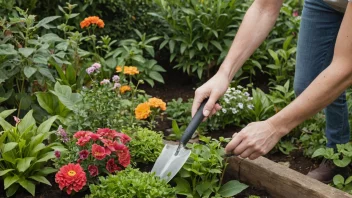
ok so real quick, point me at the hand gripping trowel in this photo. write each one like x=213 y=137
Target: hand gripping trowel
x=173 y=157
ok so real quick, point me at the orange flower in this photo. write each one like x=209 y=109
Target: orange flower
x=92 y=20
x=124 y=88
x=128 y=70
x=142 y=111
x=157 y=103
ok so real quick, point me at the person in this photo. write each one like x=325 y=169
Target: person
x=323 y=72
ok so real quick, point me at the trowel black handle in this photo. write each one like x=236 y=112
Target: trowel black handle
x=193 y=125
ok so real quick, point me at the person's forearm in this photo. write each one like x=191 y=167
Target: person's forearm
x=256 y=25
x=322 y=91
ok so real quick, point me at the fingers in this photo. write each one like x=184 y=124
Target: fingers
x=232 y=145
x=210 y=105
x=198 y=99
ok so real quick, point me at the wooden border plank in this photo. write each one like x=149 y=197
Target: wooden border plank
x=280 y=181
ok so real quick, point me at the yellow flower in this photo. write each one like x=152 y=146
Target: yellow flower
x=128 y=70
x=118 y=69
x=142 y=111
x=124 y=88
x=157 y=103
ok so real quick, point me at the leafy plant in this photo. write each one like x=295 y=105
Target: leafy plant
x=341 y=158
x=146 y=145
x=201 y=176
x=281 y=96
x=198 y=33
x=131 y=183
x=343 y=184
x=24 y=153
x=262 y=107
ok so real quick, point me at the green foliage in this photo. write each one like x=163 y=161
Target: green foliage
x=146 y=145
x=201 y=176
x=200 y=32
x=262 y=106
x=286 y=147
x=281 y=96
x=24 y=154
x=131 y=183
x=341 y=158
x=342 y=184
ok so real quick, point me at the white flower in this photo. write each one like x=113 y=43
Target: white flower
x=227 y=100
x=250 y=106
x=240 y=105
x=224 y=110
x=239 y=86
x=246 y=94
x=250 y=98
x=234 y=110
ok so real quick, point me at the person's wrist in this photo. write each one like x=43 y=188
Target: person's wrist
x=280 y=127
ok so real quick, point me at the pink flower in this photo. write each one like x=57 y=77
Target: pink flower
x=83 y=141
x=93 y=170
x=79 y=134
x=111 y=166
x=94 y=136
x=116 y=85
x=96 y=65
x=295 y=13
x=124 y=157
x=17 y=120
x=83 y=154
x=116 y=78
x=90 y=70
x=57 y=154
x=123 y=138
x=98 y=152
x=108 y=133
x=104 y=82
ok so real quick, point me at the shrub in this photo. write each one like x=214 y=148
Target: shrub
x=131 y=183
x=146 y=145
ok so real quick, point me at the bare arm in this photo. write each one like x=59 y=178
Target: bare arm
x=259 y=138
x=256 y=25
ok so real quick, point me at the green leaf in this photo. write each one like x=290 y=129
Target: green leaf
x=343 y=162
x=232 y=188
x=172 y=46
x=65 y=95
x=156 y=76
x=319 y=152
x=45 y=21
x=46 y=101
x=24 y=163
x=28 y=185
x=71 y=74
x=182 y=186
x=37 y=148
x=338 y=179
x=5 y=171
x=274 y=56
x=46 y=157
x=9 y=180
x=41 y=179
x=26 y=52
x=45 y=126
x=348 y=180
x=203 y=187
x=46 y=72
x=26 y=122
x=216 y=44
x=5 y=125
x=12 y=190
x=5 y=97
x=9 y=146
x=29 y=71
x=6 y=113
x=47 y=171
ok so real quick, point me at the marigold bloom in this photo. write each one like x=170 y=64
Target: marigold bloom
x=124 y=88
x=93 y=170
x=142 y=111
x=92 y=20
x=71 y=177
x=128 y=70
x=98 y=152
x=157 y=103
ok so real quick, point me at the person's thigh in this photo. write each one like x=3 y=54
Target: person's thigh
x=316 y=40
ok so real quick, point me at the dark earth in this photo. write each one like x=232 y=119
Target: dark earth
x=180 y=85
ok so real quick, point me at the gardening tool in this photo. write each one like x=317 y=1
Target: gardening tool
x=173 y=157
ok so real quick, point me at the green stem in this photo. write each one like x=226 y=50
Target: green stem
x=223 y=171
x=19 y=106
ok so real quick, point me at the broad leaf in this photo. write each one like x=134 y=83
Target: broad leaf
x=342 y=162
x=9 y=146
x=26 y=52
x=9 y=180
x=156 y=76
x=26 y=122
x=28 y=185
x=65 y=95
x=12 y=190
x=47 y=171
x=45 y=21
x=5 y=125
x=6 y=113
x=5 y=171
x=45 y=126
x=24 y=163
x=46 y=157
x=182 y=186
x=232 y=188
x=29 y=71
x=338 y=179
x=319 y=152
x=41 y=179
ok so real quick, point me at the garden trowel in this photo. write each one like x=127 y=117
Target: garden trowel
x=173 y=157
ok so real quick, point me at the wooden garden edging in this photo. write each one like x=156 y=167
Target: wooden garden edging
x=280 y=181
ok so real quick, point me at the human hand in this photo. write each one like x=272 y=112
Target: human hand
x=213 y=89
x=255 y=140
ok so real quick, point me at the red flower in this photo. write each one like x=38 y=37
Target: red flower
x=57 y=154
x=123 y=138
x=118 y=147
x=94 y=136
x=82 y=141
x=108 y=133
x=71 y=177
x=111 y=166
x=79 y=134
x=124 y=157
x=112 y=145
x=107 y=151
x=98 y=152
x=83 y=154
x=93 y=170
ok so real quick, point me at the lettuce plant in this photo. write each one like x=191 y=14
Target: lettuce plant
x=24 y=153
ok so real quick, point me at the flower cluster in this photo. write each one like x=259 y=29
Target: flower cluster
x=124 y=88
x=143 y=110
x=94 y=68
x=93 y=20
x=72 y=177
x=128 y=70
x=99 y=152
x=236 y=100
x=61 y=133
